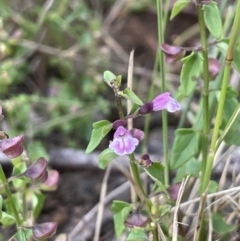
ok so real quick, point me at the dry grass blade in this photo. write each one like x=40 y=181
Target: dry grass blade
x=175 y=216
x=199 y=217
x=101 y=204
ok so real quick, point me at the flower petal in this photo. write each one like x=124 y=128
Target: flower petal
x=123 y=143
x=161 y=101
x=173 y=105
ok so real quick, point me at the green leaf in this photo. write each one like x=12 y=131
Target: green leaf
x=178 y=6
x=212 y=186
x=129 y=94
x=103 y=128
x=213 y=19
x=108 y=77
x=37 y=204
x=192 y=167
x=185 y=146
x=137 y=234
x=120 y=211
x=219 y=225
x=156 y=173
x=105 y=157
x=191 y=70
x=7 y=219
x=22 y=235
x=223 y=47
x=101 y=123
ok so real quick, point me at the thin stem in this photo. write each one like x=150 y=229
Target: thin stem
x=150 y=96
x=163 y=85
x=9 y=196
x=205 y=93
x=227 y=70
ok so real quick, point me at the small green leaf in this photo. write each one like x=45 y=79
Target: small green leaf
x=120 y=211
x=213 y=19
x=129 y=94
x=192 y=167
x=137 y=234
x=185 y=146
x=6 y=219
x=191 y=70
x=103 y=127
x=105 y=157
x=156 y=173
x=101 y=123
x=212 y=186
x=178 y=6
x=37 y=204
x=108 y=77
x=220 y=226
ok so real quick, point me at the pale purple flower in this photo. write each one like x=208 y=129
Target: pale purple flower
x=172 y=53
x=161 y=102
x=165 y=101
x=123 y=142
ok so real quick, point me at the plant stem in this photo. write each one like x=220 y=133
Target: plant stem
x=163 y=85
x=227 y=70
x=205 y=94
x=9 y=196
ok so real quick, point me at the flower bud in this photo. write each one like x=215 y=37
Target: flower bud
x=44 y=231
x=214 y=67
x=136 y=220
x=118 y=123
x=12 y=147
x=172 y=53
x=146 y=108
x=137 y=133
x=37 y=171
x=52 y=181
x=146 y=161
x=173 y=190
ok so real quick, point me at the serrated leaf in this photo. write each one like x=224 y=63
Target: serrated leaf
x=120 y=211
x=137 y=234
x=213 y=19
x=185 y=146
x=129 y=94
x=191 y=70
x=108 y=77
x=219 y=225
x=178 y=6
x=6 y=219
x=100 y=124
x=105 y=157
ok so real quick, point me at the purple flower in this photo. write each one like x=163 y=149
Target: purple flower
x=161 y=102
x=173 y=53
x=123 y=142
x=12 y=147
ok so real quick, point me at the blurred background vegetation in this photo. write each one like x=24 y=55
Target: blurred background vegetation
x=53 y=54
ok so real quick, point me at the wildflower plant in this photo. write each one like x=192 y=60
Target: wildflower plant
x=21 y=199
x=205 y=72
